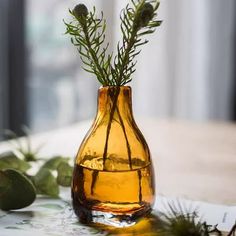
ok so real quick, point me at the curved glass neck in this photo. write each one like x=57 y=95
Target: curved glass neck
x=114 y=98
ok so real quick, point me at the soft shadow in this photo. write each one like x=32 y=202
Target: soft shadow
x=22 y=214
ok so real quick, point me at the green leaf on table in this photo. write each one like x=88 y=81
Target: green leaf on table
x=17 y=190
x=8 y=160
x=54 y=162
x=64 y=176
x=46 y=183
x=5 y=183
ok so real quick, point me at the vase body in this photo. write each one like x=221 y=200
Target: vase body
x=113 y=181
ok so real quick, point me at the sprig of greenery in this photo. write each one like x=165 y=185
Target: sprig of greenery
x=136 y=22
x=183 y=224
x=180 y=221
x=88 y=34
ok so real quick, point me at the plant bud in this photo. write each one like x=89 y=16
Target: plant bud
x=146 y=14
x=80 y=10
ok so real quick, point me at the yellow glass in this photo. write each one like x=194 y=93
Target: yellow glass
x=113 y=180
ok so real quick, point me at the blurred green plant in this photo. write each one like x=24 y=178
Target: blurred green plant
x=18 y=189
x=180 y=221
x=23 y=148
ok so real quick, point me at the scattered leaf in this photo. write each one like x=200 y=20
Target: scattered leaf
x=64 y=176
x=54 y=162
x=8 y=160
x=46 y=183
x=4 y=183
x=19 y=192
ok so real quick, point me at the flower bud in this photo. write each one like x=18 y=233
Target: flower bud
x=80 y=10
x=146 y=14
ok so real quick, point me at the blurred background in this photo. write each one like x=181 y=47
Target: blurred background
x=187 y=71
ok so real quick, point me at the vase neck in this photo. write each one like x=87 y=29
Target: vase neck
x=114 y=98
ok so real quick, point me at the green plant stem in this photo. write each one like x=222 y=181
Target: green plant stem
x=94 y=180
x=137 y=21
x=232 y=231
x=125 y=59
x=140 y=185
x=114 y=107
x=93 y=53
x=126 y=139
x=114 y=104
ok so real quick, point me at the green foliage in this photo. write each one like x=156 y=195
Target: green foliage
x=5 y=183
x=88 y=34
x=46 y=183
x=185 y=225
x=16 y=191
x=54 y=172
x=54 y=162
x=8 y=160
x=180 y=221
x=14 y=185
x=64 y=176
x=23 y=150
x=136 y=22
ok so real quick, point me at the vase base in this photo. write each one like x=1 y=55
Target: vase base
x=117 y=219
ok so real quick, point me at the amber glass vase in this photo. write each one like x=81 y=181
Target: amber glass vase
x=113 y=180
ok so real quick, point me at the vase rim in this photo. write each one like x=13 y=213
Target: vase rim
x=121 y=87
